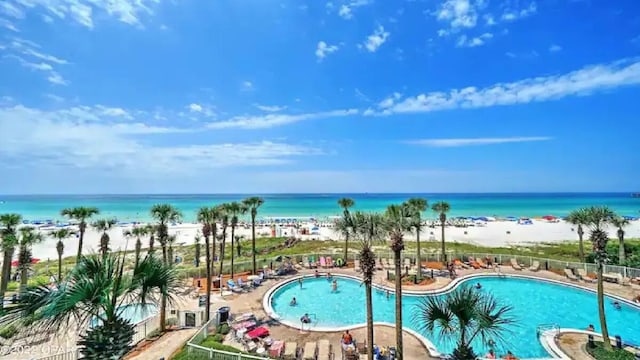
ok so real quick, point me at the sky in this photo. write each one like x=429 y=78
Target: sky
x=265 y=96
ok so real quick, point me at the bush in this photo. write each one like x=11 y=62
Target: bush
x=153 y=334
x=171 y=321
x=218 y=338
x=223 y=329
x=8 y=331
x=13 y=286
x=599 y=353
x=184 y=355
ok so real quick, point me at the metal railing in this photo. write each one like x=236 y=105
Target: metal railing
x=197 y=352
x=68 y=355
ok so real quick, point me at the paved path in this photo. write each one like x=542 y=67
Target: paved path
x=166 y=346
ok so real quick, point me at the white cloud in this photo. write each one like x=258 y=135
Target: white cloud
x=206 y=110
x=195 y=107
x=247 y=85
x=268 y=108
x=83 y=12
x=323 y=49
x=87 y=137
x=271 y=120
x=555 y=48
x=375 y=40
x=489 y=20
x=8 y=25
x=460 y=13
x=57 y=79
x=389 y=101
x=464 y=41
x=457 y=142
x=53 y=97
x=11 y=10
x=581 y=82
x=515 y=14
x=346 y=10
x=30 y=55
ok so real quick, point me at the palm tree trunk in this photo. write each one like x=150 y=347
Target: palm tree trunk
x=253 y=244
x=138 y=249
x=444 y=256
x=418 y=263
x=398 y=278
x=6 y=270
x=59 y=267
x=82 y=230
x=621 y=253
x=233 y=230
x=23 y=279
x=369 y=320
x=224 y=240
x=580 y=243
x=603 y=321
x=213 y=249
x=207 y=310
x=346 y=246
x=163 y=312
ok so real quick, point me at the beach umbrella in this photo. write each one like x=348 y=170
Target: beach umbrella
x=549 y=217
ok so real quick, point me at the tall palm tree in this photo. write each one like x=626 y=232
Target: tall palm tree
x=138 y=232
x=164 y=214
x=442 y=208
x=60 y=235
x=81 y=214
x=104 y=225
x=9 y=223
x=151 y=230
x=345 y=204
x=579 y=218
x=418 y=206
x=368 y=228
x=216 y=215
x=234 y=209
x=398 y=221
x=620 y=222
x=197 y=251
x=224 y=222
x=253 y=203
x=205 y=218
x=74 y=301
x=465 y=314
x=597 y=218
x=29 y=236
x=171 y=240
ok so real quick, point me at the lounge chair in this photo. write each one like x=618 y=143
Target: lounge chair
x=324 y=350
x=515 y=265
x=312 y=262
x=329 y=262
x=243 y=285
x=361 y=347
x=482 y=264
x=570 y=275
x=323 y=262
x=290 y=350
x=305 y=262
x=459 y=264
x=582 y=274
x=233 y=287
x=356 y=265
x=392 y=263
x=310 y=351
x=624 y=281
x=535 y=266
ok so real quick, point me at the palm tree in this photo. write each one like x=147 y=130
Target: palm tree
x=597 y=218
x=9 y=223
x=197 y=251
x=253 y=203
x=579 y=218
x=171 y=240
x=234 y=209
x=216 y=214
x=345 y=204
x=137 y=232
x=28 y=237
x=369 y=228
x=620 y=223
x=397 y=221
x=465 y=314
x=418 y=205
x=442 y=208
x=74 y=301
x=164 y=214
x=81 y=214
x=60 y=235
x=205 y=218
x=151 y=230
x=224 y=219
x=104 y=225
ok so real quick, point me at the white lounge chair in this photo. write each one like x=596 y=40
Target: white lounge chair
x=290 y=350
x=582 y=274
x=535 y=266
x=310 y=351
x=570 y=275
x=515 y=265
x=324 y=350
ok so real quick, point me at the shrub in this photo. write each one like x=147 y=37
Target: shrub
x=172 y=321
x=8 y=331
x=223 y=329
x=599 y=353
x=218 y=338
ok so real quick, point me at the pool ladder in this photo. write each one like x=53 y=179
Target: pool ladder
x=547 y=327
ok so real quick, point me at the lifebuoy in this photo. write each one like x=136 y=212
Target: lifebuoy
x=339 y=262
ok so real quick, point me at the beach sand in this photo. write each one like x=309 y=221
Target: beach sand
x=493 y=234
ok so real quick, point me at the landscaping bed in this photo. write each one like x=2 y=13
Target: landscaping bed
x=599 y=353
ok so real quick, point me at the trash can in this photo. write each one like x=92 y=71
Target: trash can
x=223 y=315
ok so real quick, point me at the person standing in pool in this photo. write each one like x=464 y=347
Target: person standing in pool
x=305 y=319
x=300 y=282
x=293 y=302
x=334 y=286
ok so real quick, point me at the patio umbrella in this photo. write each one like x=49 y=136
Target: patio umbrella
x=549 y=217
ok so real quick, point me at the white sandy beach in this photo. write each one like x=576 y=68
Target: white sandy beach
x=492 y=234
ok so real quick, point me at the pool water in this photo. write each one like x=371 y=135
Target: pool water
x=534 y=303
x=136 y=313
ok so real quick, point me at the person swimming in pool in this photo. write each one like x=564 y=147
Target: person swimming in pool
x=478 y=286
x=334 y=286
x=293 y=302
x=305 y=319
x=617 y=305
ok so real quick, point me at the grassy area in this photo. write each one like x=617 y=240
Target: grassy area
x=599 y=353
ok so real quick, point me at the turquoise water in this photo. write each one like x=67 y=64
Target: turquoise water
x=136 y=207
x=534 y=303
x=135 y=313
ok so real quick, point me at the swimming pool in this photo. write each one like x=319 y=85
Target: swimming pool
x=136 y=313
x=535 y=302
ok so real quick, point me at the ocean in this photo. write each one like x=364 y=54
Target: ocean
x=136 y=207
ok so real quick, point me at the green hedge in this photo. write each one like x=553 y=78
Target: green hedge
x=599 y=353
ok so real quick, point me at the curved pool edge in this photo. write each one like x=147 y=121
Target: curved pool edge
x=547 y=338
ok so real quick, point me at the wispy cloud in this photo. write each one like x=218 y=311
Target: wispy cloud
x=375 y=40
x=346 y=10
x=247 y=85
x=323 y=49
x=272 y=120
x=29 y=54
x=458 y=142
x=270 y=108
x=515 y=14
x=464 y=41
x=581 y=82
x=206 y=110
x=555 y=48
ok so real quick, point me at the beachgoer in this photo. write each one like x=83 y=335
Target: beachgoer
x=334 y=286
x=616 y=305
x=490 y=355
x=388 y=294
x=305 y=319
x=478 y=286
x=328 y=276
x=510 y=356
x=293 y=302
x=590 y=328
x=317 y=273
x=347 y=339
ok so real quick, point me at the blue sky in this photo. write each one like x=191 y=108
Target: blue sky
x=139 y=96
